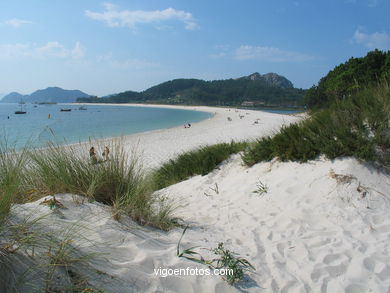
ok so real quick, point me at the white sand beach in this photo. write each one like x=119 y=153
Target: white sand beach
x=321 y=226
x=161 y=145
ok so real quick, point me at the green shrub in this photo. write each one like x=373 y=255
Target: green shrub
x=261 y=150
x=200 y=161
x=356 y=126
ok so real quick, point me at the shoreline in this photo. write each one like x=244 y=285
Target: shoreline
x=154 y=147
x=160 y=145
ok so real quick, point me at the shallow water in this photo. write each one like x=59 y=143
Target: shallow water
x=99 y=121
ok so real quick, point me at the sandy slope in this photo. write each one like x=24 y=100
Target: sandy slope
x=313 y=231
x=308 y=233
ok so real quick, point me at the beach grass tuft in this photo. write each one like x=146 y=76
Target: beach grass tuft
x=12 y=172
x=118 y=180
x=200 y=161
x=36 y=258
x=230 y=262
x=261 y=188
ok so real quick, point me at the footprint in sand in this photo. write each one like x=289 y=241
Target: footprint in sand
x=335 y=259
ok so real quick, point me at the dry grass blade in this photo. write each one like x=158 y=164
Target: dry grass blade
x=341 y=178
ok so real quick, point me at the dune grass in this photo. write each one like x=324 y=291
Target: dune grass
x=200 y=161
x=12 y=171
x=120 y=181
x=35 y=257
x=357 y=126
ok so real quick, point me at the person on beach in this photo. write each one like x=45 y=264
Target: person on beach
x=105 y=153
x=92 y=155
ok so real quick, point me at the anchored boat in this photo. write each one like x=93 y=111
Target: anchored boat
x=21 y=111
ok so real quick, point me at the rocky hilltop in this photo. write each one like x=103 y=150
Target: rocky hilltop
x=271 y=79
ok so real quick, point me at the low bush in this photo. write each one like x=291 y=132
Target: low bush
x=200 y=161
x=357 y=126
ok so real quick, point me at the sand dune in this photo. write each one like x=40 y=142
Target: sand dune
x=309 y=233
x=322 y=226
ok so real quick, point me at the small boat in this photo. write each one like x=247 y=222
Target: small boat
x=65 y=110
x=21 y=111
x=82 y=108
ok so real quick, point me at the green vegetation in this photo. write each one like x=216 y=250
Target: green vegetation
x=261 y=188
x=12 y=170
x=119 y=182
x=197 y=162
x=351 y=117
x=33 y=256
x=230 y=92
x=349 y=78
x=357 y=126
x=231 y=263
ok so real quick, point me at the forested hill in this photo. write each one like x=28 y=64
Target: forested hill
x=253 y=90
x=349 y=78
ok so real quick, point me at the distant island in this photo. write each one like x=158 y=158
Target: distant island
x=255 y=90
x=48 y=95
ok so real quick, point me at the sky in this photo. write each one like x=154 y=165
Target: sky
x=103 y=48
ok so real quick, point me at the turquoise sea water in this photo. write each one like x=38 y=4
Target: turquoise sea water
x=98 y=121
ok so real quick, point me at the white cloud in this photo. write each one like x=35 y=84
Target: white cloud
x=16 y=23
x=271 y=54
x=375 y=40
x=130 y=18
x=52 y=49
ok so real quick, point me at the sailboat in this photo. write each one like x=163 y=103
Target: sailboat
x=22 y=111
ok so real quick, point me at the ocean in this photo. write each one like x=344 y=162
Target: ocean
x=35 y=128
